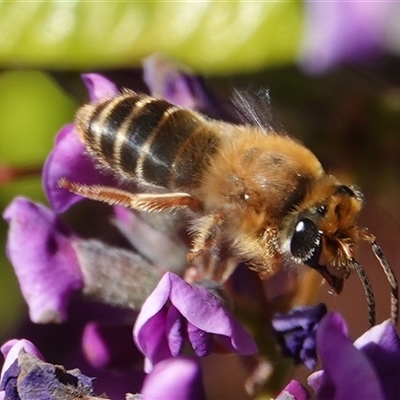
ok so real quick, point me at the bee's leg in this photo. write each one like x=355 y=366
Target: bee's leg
x=137 y=201
x=207 y=253
x=206 y=234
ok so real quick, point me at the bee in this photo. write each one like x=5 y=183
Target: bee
x=260 y=194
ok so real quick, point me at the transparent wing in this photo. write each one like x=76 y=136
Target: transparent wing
x=254 y=108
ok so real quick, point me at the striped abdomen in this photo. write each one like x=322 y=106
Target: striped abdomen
x=148 y=139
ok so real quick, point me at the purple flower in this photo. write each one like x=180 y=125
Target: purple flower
x=52 y=264
x=296 y=333
x=367 y=369
x=39 y=245
x=340 y=31
x=177 y=311
x=25 y=376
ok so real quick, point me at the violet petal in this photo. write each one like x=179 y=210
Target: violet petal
x=39 y=247
x=179 y=87
x=202 y=342
x=348 y=373
x=206 y=312
x=340 y=31
x=178 y=378
x=296 y=333
x=99 y=87
x=109 y=346
x=198 y=306
x=174 y=328
x=151 y=338
x=69 y=160
x=152 y=315
x=381 y=344
x=294 y=390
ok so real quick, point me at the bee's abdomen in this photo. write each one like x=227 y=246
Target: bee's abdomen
x=147 y=139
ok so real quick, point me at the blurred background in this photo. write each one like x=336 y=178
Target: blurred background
x=332 y=71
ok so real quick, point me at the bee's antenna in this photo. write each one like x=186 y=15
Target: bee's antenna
x=394 y=305
x=394 y=299
x=367 y=289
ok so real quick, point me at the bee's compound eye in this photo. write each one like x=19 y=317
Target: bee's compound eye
x=306 y=242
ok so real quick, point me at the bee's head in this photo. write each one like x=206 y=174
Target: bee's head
x=324 y=234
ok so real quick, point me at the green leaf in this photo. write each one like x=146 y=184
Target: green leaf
x=211 y=36
x=32 y=109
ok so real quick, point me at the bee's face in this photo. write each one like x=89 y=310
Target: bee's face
x=323 y=234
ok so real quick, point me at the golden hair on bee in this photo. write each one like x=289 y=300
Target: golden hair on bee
x=259 y=196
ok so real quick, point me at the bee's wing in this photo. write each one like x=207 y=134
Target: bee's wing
x=254 y=108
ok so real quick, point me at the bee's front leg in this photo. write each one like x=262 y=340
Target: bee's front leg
x=136 y=201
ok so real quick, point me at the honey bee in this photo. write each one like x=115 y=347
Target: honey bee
x=260 y=194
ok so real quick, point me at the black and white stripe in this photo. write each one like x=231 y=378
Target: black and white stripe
x=148 y=139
